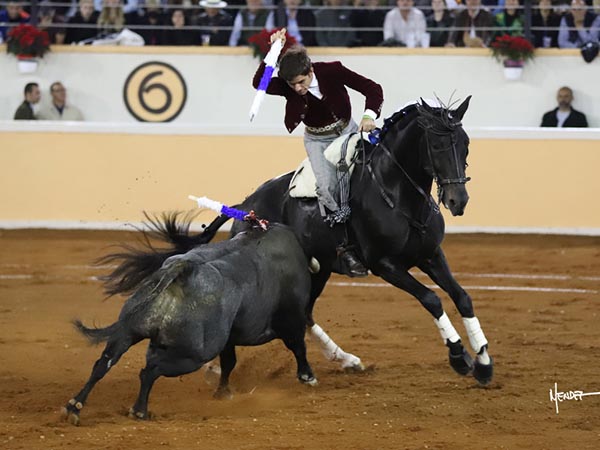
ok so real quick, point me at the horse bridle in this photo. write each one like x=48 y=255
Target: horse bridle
x=441 y=182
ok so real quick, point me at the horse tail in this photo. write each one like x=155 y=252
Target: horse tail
x=97 y=335
x=135 y=264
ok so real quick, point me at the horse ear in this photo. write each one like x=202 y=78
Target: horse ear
x=424 y=104
x=462 y=109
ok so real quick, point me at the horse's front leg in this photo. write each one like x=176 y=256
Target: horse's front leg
x=396 y=274
x=437 y=268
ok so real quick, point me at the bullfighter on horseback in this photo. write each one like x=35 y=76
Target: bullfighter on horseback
x=316 y=95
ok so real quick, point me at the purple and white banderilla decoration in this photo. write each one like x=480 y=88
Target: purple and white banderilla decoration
x=237 y=214
x=270 y=64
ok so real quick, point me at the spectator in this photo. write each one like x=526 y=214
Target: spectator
x=151 y=15
x=85 y=16
x=213 y=17
x=479 y=23
x=59 y=109
x=13 y=13
x=295 y=20
x=578 y=27
x=439 y=18
x=131 y=6
x=510 y=20
x=404 y=24
x=248 y=22
x=112 y=17
x=370 y=16
x=545 y=17
x=330 y=20
x=26 y=110
x=50 y=22
x=564 y=115
x=178 y=34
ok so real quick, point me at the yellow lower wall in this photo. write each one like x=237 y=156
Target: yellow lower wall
x=86 y=177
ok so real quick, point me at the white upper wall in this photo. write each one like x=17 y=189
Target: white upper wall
x=219 y=92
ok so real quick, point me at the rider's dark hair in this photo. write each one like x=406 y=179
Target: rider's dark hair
x=294 y=62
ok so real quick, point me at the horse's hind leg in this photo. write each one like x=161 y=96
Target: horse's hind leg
x=110 y=356
x=228 y=360
x=460 y=360
x=437 y=268
x=160 y=362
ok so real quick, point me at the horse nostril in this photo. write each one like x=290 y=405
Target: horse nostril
x=452 y=202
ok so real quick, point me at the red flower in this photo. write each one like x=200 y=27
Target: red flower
x=27 y=40
x=515 y=48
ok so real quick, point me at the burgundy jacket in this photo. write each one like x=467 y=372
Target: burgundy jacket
x=333 y=78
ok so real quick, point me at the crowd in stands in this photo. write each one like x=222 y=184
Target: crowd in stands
x=338 y=23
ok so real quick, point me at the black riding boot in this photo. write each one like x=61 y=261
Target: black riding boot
x=348 y=261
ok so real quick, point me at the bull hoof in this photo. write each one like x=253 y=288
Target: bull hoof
x=223 y=394
x=309 y=380
x=138 y=415
x=484 y=373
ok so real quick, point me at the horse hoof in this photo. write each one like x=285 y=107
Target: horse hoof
x=483 y=373
x=309 y=380
x=354 y=368
x=70 y=416
x=461 y=363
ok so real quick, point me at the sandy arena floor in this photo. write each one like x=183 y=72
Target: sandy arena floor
x=541 y=322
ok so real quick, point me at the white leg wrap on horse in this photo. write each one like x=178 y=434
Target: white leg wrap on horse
x=446 y=328
x=331 y=350
x=476 y=336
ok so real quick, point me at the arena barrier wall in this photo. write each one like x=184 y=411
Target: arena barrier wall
x=212 y=87
x=103 y=176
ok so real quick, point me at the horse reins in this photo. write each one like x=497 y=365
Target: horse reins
x=441 y=182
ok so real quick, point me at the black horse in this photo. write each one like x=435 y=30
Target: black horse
x=395 y=222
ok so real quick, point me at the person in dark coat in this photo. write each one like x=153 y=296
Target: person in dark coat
x=564 y=116
x=32 y=96
x=178 y=34
x=213 y=18
x=296 y=21
x=440 y=17
x=545 y=17
x=368 y=16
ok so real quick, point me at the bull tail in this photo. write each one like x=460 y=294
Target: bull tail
x=136 y=265
x=98 y=335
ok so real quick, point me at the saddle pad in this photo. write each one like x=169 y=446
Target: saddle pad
x=304 y=183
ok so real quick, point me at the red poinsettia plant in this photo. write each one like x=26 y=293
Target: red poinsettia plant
x=261 y=42
x=27 y=41
x=512 y=48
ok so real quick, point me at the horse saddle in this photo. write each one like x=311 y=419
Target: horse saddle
x=304 y=183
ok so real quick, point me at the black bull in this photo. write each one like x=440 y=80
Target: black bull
x=245 y=291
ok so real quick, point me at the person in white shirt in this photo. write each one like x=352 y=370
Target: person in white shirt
x=405 y=24
x=58 y=109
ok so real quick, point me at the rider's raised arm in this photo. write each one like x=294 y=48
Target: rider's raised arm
x=276 y=87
